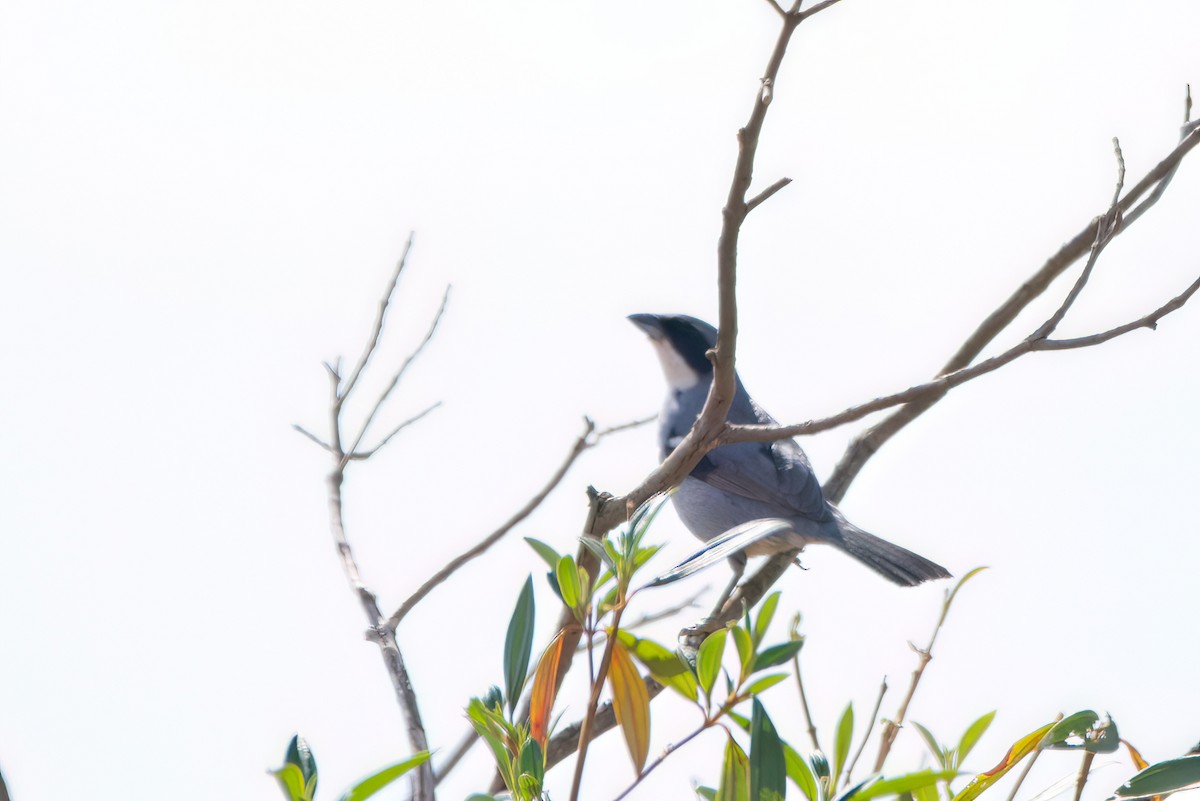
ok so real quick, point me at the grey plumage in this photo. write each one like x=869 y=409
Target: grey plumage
x=746 y=481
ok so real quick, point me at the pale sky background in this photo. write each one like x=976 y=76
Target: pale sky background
x=201 y=201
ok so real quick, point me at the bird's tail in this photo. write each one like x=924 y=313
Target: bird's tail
x=896 y=564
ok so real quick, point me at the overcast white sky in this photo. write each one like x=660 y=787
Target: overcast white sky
x=201 y=201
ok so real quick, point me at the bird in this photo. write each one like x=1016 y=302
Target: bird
x=736 y=484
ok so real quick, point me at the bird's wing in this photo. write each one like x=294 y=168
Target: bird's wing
x=777 y=474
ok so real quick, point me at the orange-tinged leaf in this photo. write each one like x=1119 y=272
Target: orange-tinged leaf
x=1019 y=750
x=631 y=703
x=541 y=697
x=1138 y=760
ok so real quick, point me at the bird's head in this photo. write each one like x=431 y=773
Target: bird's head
x=681 y=343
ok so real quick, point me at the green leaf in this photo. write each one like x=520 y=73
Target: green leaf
x=935 y=748
x=517 y=645
x=298 y=776
x=741 y=720
x=857 y=789
x=905 y=783
x=777 y=655
x=548 y=554
x=929 y=793
x=801 y=773
x=1163 y=777
x=745 y=649
x=768 y=771
x=531 y=761
x=1018 y=751
x=708 y=660
x=528 y=786
x=568 y=582
x=707 y=793
x=292 y=782
x=765 y=613
x=1083 y=730
x=762 y=683
x=300 y=755
x=597 y=550
x=735 y=774
x=382 y=778
x=841 y=741
x=722 y=547
x=667 y=667
x=490 y=731
x=971 y=736
x=480 y=797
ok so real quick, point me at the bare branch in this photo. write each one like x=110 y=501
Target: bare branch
x=589 y=715
x=818 y=8
x=778 y=8
x=758 y=433
x=377 y=327
x=437 y=318
x=764 y=195
x=1149 y=321
x=924 y=655
x=367 y=454
x=670 y=749
x=812 y=729
x=1028 y=767
x=464 y=745
x=379 y=631
x=865 y=445
x=632 y=424
x=588 y=439
x=311 y=436
x=883 y=688
x=362 y=455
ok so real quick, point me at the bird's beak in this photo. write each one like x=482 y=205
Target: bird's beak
x=649 y=323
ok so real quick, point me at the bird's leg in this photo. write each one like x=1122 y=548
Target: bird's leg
x=737 y=563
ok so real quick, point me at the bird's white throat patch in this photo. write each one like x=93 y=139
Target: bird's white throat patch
x=679 y=374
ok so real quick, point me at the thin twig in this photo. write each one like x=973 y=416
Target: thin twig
x=924 y=656
x=363 y=455
x=566 y=740
x=764 y=195
x=818 y=8
x=448 y=764
x=654 y=617
x=868 y=443
x=1085 y=768
x=362 y=431
x=367 y=454
x=1149 y=321
x=301 y=429
x=377 y=327
x=808 y=719
x=778 y=8
x=1025 y=772
x=587 y=439
x=641 y=421
x=883 y=688
x=379 y=631
x=589 y=715
x=670 y=749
